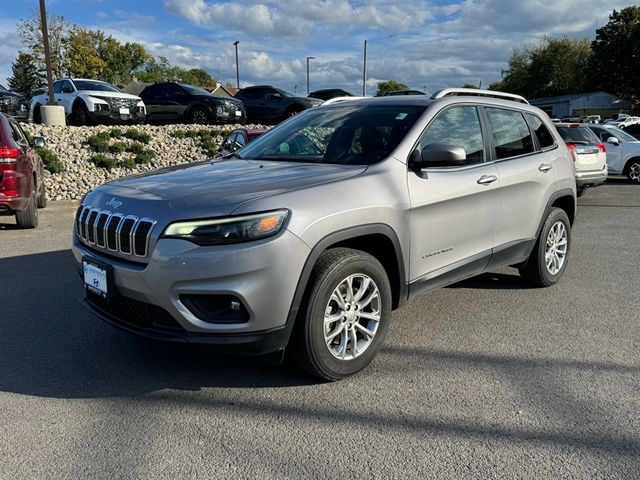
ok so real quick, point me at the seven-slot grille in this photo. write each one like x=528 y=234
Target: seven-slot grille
x=123 y=102
x=125 y=234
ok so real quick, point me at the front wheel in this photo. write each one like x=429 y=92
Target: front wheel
x=198 y=116
x=346 y=316
x=80 y=114
x=633 y=171
x=548 y=260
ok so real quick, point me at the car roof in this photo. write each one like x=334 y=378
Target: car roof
x=573 y=124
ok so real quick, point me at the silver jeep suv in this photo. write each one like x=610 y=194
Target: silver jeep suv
x=308 y=238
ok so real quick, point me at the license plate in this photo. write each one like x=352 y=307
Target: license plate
x=124 y=111
x=238 y=113
x=95 y=279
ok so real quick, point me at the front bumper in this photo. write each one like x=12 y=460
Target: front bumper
x=262 y=275
x=228 y=113
x=113 y=116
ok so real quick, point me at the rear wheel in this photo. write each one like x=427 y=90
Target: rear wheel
x=633 y=171
x=42 y=198
x=346 y=316
x=548 y=260
x=29 y=217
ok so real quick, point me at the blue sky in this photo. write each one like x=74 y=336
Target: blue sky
x=428 y=44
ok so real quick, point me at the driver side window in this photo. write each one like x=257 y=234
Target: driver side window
x=460 y=127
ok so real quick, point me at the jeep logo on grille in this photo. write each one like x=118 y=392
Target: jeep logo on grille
x=113 y=203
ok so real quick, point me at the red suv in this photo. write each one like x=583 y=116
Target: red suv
x=22 y=190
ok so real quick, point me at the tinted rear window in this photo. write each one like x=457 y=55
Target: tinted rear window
x=511 y=135
x=580 y=135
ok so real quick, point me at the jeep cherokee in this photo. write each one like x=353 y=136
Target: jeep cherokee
x=311 y=235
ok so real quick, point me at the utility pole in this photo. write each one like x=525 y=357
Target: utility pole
x=308 y=58
x=364 y=71
x=295 y=89
x=237 y=66
x=47 y=52
x=480 y=85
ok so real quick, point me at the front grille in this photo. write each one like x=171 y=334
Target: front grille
x=125 y=234
x=136 y=313
x=123 y=103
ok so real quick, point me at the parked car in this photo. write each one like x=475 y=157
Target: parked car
x=22 y=188
x=592 y=119
x=269 y=105
x=14 y=104
x=623 y=152
x=88 y=101
x=310 y=249
x=181 y=102
x=589 y=154
x=618 y=116
x=625 y=122
x=330 y=93
x=403 y=92
x=238 y=138
x=633 y=130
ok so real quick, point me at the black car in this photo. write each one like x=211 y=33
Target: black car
x=181 y=102
x=403 y=92
x=270 y=105
x=633 y=130
x=329 y=93
x=14 y=104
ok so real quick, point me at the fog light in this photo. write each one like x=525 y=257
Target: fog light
x=216 y=308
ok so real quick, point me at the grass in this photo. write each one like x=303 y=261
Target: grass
x=50 y=160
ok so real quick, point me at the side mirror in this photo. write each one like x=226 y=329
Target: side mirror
x=613 y=141
x=438 y=155
x=39 y=142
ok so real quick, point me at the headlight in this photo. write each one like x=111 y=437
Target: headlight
x=223 y=231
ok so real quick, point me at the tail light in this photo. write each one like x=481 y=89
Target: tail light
x=8 y=164
x=572 y=150
x=602 y=148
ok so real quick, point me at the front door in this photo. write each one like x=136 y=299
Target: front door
x=453 y=209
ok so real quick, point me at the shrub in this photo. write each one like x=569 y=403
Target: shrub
x=117 y=147
x=99 y=142
x=144 y=157
x=135 y=148
x=179 y=134
x=138 y=136
x=103 y=161
x=128 y=163
x=116 y=133
x=50 y=160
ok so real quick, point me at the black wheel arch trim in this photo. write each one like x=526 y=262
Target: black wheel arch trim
x=566 y=192
x=337 y=237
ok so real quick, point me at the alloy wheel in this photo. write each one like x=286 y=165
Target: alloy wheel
x=199 y=117
x=352 y=316
x=634 y=172
x=555 y=252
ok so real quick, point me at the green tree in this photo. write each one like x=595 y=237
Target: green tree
x=30 y=33
x=26 y=78
x=389 y=86
x=82 y=53
x=470 y=85
x=554 y=66
x=197 y=76
x=615 y=65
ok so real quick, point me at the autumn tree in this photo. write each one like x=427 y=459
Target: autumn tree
x=30 y=33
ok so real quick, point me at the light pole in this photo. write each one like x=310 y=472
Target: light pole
x=364 y=71
x=47 y=54
x=308 y=58
x=237 y=66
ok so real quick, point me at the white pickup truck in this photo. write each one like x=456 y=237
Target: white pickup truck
x=91 y=101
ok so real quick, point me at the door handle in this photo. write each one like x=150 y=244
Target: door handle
x=487 y=179
x=545 y=167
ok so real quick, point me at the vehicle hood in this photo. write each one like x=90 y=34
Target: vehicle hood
x=98 y=93
x=212 y=188
x=9 y=93
x=217 y=99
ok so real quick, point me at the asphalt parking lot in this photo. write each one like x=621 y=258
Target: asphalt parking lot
x=486 y=379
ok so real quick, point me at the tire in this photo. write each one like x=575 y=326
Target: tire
x=535 y=270
x=80 y=114
x=29 y=217
x=198 y=116
x=42 y=198
x=632 y=171
x=37 y=116
x=317 y=348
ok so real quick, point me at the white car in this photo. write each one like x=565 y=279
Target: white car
x=624 y=122
x=91 y=101
x=589 y=154
x=623 y=151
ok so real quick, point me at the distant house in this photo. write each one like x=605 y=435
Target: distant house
x=581 y=104
x=222 y=91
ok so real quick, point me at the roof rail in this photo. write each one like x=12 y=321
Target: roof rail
x=477 y=92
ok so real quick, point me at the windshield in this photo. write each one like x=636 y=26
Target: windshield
x=92 y=85
x=195 y=90
x=284 y=92
x=340 y=134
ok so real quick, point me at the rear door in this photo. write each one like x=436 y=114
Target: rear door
x=453 y=209
x=527 y=171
